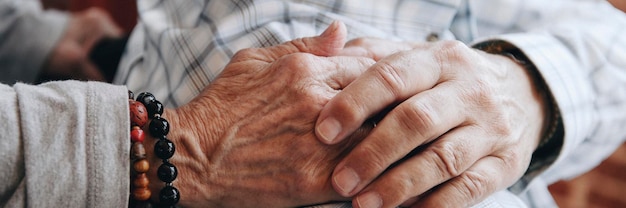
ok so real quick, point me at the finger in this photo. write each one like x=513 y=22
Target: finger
x=413 y=123
x=329 y=43
x=448 y=157
x=484 y=178
x=377 y=48
x=389 y=81
x=343 y=70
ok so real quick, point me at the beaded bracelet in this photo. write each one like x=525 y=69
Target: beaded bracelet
x=143 y=108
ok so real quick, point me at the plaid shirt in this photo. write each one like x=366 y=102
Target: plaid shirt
x=578 y=46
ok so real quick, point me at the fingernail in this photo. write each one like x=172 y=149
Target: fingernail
x=346 y=180
x=329 y=129
x=369 y=200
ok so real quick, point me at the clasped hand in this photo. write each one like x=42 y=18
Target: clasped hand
x=456 y=125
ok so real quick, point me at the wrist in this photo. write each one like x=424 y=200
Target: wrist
x=194 y=131
x=180 y=134
x=526 y=70
x=550 y=140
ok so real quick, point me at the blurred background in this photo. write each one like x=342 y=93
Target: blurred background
x=124 y=12
x=604 y=186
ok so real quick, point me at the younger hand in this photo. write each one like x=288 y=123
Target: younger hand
x=463 y=124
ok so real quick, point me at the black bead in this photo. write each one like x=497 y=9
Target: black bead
x=169 y=196
x=145 y=98
x=159 y=127
x=167 y=172
x=155 y=107
x=131 y=95
x=164 y=149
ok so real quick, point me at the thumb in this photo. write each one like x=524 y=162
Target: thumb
x=329 y=43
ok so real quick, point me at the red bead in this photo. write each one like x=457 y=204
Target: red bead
x=136 y=135
x=141 y=181
x=138 y=113
x=141 y=194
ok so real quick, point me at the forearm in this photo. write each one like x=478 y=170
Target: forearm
x=71 y=143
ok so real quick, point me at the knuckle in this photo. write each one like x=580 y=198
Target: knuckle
x=448 y=158
x=417 y=117
x=371 y=159
x=514 y=161
x=475 y=185
x=404 y=187
x=390 y=77
x=408 y=184
x=452 y=47
x=297 y=60
x=298 y=63
x=245 y=54
x=453 y=50
x=398 y=188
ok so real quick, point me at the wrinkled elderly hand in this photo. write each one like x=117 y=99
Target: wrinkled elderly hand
x=457 y=125
x=70 y=57
x=248 y=139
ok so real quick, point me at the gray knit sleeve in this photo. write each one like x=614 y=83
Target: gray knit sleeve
x=68 y=145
